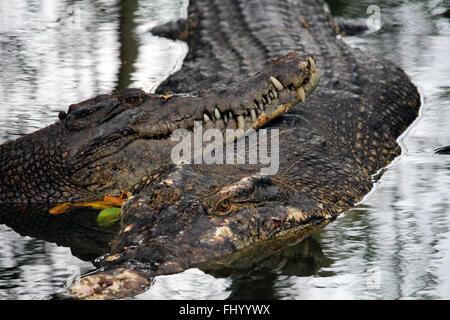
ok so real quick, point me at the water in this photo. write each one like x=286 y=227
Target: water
x=393 y=245
x=55 y=53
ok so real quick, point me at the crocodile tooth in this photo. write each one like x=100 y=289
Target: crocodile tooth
x=275 y=94
x=269 y=100
x=261 y=106
x=264 y=101
x=253 y=115
x=271 y=95
x=205 y=117
x=217 y=113
x=225 y=118
x=241 y=122
x=277 y=84
x=230 y=114
x=312 y=64
x=301 y=94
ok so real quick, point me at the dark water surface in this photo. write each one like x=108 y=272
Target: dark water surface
x=393 y=245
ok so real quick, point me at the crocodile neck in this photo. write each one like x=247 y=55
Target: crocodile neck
x=252 y=32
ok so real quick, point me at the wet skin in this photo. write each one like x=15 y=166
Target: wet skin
x=184 y=216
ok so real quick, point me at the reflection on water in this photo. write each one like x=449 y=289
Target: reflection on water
x=255 y=274
x=55 y=53
x=394 y=245
x=400 y=237
x=129 y=42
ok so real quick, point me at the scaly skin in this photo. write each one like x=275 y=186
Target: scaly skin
x=109 y=143
x=197 y=215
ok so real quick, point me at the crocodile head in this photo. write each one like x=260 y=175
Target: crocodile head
x=117 y=139
x=194 y=216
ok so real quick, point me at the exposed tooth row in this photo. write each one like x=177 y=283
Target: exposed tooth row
x=300 y=91
x=240 y=121
x=265 y=99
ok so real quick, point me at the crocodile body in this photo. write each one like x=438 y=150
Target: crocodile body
x=183 y=216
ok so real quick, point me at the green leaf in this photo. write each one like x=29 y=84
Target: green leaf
x=108 y=216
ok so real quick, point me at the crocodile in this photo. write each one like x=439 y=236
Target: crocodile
x=243 y=56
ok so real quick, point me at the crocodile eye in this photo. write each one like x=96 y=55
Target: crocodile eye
x=223 y=206
x=132 y=100
x=306 y=80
